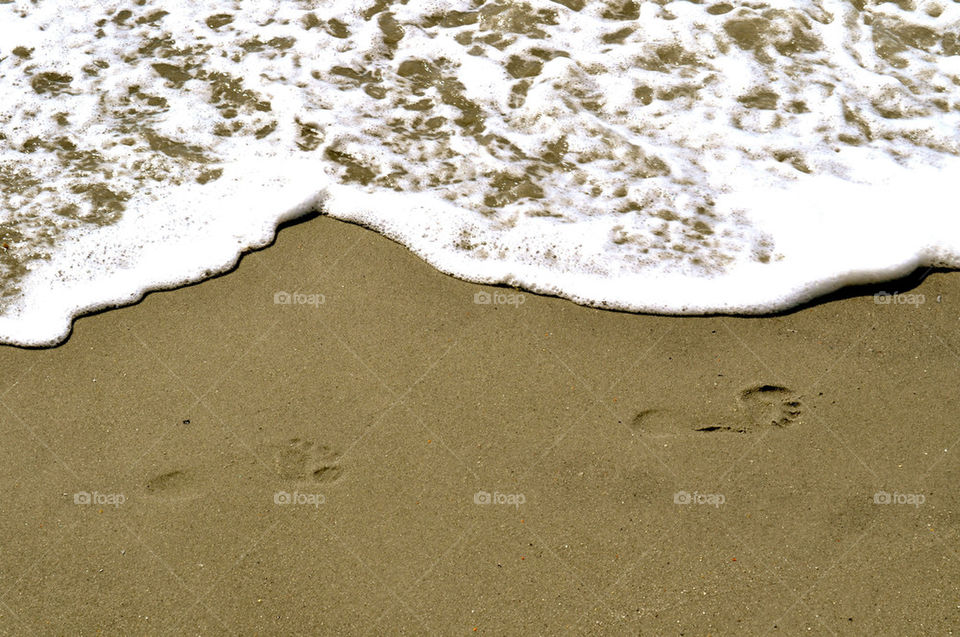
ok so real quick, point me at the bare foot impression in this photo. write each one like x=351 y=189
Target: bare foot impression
x=656 y=423
x=303 y=460
x=770 y=405
x=755 y=408
x=179 y=484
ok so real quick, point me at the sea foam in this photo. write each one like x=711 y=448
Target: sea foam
x=670 y=157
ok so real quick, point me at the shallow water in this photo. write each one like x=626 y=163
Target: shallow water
x=675 y=157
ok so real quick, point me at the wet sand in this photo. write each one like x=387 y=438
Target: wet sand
x=400 y=459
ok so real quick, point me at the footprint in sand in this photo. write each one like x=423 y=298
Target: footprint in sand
x=755 y=408
x=656 y=423
x=770 y=405
x=179 y=484
x=302 y=460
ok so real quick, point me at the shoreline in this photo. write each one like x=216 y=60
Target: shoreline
x=902 y=285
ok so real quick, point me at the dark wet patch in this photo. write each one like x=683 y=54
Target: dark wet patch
x=355 y=171
x=51 y=82
x=219 y=20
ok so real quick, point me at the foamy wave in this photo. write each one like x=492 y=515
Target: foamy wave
x=667 y=157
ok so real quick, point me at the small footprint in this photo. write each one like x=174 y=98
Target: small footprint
x=656 y=423
x=305 y=461
x=770 y=405
x=179 y=484
x=754 y=408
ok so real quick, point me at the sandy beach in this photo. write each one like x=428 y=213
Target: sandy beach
x=335 y=438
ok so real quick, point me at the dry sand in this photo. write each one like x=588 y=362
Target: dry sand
x=389 y=407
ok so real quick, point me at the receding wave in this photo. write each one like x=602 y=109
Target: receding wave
x=675 y=157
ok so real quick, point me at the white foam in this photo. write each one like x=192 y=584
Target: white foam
x=679 y=167
x=193 y=234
